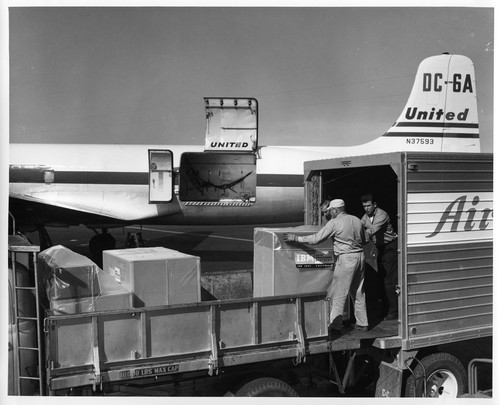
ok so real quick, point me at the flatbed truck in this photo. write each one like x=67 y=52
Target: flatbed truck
x=442 y=209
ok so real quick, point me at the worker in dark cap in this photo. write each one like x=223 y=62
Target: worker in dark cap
x=325 y=214
x=379 y=229
x=348 y=235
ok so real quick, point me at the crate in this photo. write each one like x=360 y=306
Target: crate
x=74 y=284
x=282 y=268
x=155 y=275
x=113 y=295
x=68 y=278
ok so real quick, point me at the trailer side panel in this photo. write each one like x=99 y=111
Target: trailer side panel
x=449 y=248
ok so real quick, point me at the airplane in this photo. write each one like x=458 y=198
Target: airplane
x=229 y=180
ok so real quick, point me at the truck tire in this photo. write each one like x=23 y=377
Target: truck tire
x=266 y=387
x=445 y=377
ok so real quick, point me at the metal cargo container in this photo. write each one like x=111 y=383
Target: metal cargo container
x=282 y=268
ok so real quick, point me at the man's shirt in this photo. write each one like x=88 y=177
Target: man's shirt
x=379 y=227
x=346 y=231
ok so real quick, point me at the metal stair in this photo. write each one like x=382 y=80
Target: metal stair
x=21 y=250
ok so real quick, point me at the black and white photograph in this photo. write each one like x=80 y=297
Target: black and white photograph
x=233 y=199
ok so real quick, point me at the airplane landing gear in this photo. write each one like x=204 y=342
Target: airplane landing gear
x=44 y=238
x=100 y=242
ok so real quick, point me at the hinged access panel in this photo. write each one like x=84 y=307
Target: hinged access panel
x=225 y=174
x=160 y=176
x=231 y=124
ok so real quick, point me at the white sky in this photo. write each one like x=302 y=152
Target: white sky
x=322 y=76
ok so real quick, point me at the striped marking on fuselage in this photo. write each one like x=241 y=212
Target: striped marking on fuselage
x=36 y=175
x=434 y=133
x=436 y=125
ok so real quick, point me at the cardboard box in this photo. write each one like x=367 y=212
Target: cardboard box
x=155 y=276
x=282 y=268
x=113 y=295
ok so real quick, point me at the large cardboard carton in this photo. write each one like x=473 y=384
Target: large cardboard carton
x=113 y=295
x=282 y=268
x=155 y=275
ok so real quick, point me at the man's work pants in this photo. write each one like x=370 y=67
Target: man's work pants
x=348 y=279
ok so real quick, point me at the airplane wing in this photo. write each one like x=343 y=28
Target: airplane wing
x=52 y=202
x=30 y=214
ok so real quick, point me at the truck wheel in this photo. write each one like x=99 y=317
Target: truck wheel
x=266 y=387
x=445 y=377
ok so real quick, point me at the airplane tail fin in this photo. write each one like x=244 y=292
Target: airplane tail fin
x=441 y=112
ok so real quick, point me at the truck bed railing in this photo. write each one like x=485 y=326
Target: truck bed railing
x=121 y=345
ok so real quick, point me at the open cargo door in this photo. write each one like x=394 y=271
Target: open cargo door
x=231 y=124
x=225 y=173
x=160 y=176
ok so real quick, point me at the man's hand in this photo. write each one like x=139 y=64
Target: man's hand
x=290 y=237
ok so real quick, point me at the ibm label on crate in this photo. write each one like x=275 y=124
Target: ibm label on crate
x=314 y=259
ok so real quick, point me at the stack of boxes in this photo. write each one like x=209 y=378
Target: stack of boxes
x=156 y=276
x=130 y=278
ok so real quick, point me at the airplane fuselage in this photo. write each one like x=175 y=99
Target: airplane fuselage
x=110 y=183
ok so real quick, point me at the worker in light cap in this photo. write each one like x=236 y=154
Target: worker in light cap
x=348 y=235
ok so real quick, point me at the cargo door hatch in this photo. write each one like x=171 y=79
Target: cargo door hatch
x=231 y=124
x=160 y=176
x=225 y=174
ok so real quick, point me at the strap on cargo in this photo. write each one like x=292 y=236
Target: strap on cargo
x=301 y=352
x=96 y=359
x=213 y=362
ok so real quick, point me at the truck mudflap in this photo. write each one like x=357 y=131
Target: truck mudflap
x=390 y=381
x=119 y=346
